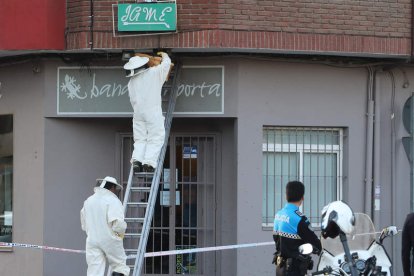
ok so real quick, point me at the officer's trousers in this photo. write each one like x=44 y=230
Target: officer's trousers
x=282 y=272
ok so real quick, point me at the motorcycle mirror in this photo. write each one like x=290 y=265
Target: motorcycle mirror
x=305 y=249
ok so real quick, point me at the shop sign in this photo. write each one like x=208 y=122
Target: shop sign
x=104 y=91
x=147 y=17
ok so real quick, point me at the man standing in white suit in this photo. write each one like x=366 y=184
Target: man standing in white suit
x=102 y=218
x=147 y=79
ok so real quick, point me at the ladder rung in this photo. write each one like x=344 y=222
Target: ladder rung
x=144 y=174
x=141 y=189
x=134 y=219
x=132 y=234
x=142 y=204
x=130 y=250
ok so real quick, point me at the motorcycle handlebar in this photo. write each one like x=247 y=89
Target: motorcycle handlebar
x=326 y=271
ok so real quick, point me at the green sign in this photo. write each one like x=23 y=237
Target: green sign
x=147 y=17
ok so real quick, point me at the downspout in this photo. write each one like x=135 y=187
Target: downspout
x=91 y=25
x=412 y=156
x=412 y=30
x=393 y=139
x=377 y=154
x=369 y=144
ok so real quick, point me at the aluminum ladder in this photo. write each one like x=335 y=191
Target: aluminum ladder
x=142 y=189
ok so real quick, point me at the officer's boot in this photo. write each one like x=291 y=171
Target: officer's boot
x=117 y=274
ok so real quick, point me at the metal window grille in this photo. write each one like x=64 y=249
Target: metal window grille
x=311 y=155
x=6 y=180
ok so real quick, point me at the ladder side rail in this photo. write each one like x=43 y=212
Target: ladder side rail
x=128 y=190
x=167 y=125
x=125 y=203
x=156 y=179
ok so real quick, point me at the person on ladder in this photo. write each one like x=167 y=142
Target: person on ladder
x=102 y=218
x=147 y=75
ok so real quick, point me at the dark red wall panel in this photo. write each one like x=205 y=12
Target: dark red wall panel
x=32 y=25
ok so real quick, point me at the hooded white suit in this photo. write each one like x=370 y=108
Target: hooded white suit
x=148 y=122
x=102 y=217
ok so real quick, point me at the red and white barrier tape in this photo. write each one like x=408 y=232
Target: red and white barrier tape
x=43 y=247
x=205 y=249
x=149 y=254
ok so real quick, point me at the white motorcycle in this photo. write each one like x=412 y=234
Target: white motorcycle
x=357 y=254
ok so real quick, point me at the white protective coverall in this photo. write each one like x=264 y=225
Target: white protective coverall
x=148 y=121
x=102 y=218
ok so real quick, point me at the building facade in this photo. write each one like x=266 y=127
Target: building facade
x=271 y=91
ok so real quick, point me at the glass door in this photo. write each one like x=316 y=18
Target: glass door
x=184 y=214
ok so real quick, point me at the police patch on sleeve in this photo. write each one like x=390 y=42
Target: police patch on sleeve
x=302 y=216
x=299 y=213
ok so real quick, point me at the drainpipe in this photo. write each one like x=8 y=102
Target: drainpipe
x=377 y=154
x=412 y=29
x=91 y=25
x=412 y=155
x=369 y=144
x=393 y=139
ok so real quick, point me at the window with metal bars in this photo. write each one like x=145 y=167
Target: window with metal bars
x=6 y=180
x=311 y=155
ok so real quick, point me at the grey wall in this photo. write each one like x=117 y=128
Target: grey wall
x=291 y=94
x=395 y=202
x=22 y=96
x=296 y=94
x=78 y=151
x=57 y=160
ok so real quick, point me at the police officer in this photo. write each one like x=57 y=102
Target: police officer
x=292 y=229
x=408 y=245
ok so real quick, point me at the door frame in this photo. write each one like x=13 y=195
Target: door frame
x=120 y=172
x=217 y=159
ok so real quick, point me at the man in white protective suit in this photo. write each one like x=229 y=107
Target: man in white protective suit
x=147 y=78
x=102 y=218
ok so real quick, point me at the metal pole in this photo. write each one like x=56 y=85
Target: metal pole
x=348 y=256
x=369 y=146
x=412 y=154
x=377 y=154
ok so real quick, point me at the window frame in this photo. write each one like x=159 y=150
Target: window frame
x=301 y=149
x=6 y=248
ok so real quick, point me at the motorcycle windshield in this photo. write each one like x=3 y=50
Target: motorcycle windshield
x=361 y=238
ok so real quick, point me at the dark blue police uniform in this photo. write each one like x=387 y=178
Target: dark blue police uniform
x=292 y=229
